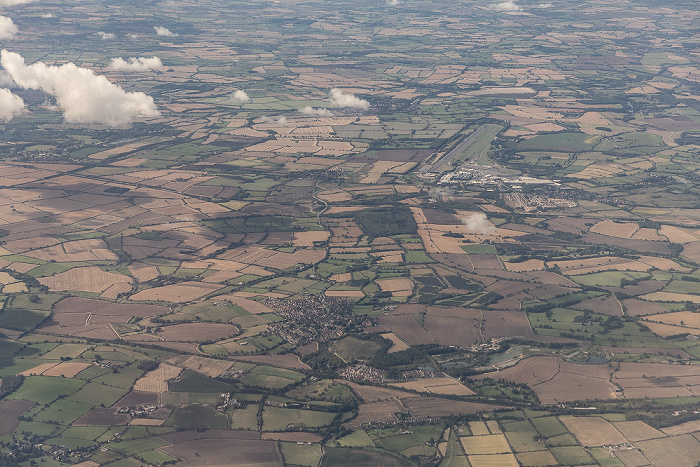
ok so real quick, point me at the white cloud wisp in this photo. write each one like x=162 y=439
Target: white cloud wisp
x=8 y=30
x=241 y=96
x=10 y=105
x=83 y=96
x=161 y=31
x=135 y=64
x=340 y=99
x=318 y=112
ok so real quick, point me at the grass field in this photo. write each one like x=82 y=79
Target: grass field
x=46 y=389
x=279 y=419
x=548 y=426
x=357 y=438
x=245 y=419
x=350 y=349
x=97 y=394
x=571 y=455
x=304 y=455
x=197 y=417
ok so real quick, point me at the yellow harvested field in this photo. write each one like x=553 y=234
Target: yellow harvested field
x=493 y=427
x=156 y=380
x=15 y=287
x=666 y=330
x=84 y=279
x=671 y=297
x=208 y=366
x=493 y=460
x=593 y=431
x=67 y=369
x=378 y=168
x=479 y=428
x=147 y=422
x=251 y=306
x=442 y=385
x=591 y=265
x=485 y=444
x=344 y=277
x=177 y=293
x=395 y=285
x=398 y=345
x=615 y=229
x=678 y=235
x=307 y=239
x=680 y=318
x=529 y=265
x=143 y=272
x=683 y=428
x=39 y=369
x=648 y=234
x=639 y=431
x=663 y=264
x=129 y=162
x=113 y=291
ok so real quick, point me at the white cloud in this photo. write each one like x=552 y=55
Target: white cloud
x=47 y=15
x=544 y=5
x=7 y=28
x=506 y=6
x=105 y=35
x=241 y=96
x=136 y=64
x=479 y=223
x=14 y=2
x=392 y=2
x=133 y=37
x=161 y=31
x=83 y=96
x=5 y=80
x=308 y=110
x=340 y=99
x=10 y=105
x=279 y=120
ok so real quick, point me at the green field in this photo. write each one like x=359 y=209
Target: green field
x=275 y=418
x=46 y=389
x=245 y=419
x=352 y=349
x=197 y=417
x=304 y=455
x=548 y=426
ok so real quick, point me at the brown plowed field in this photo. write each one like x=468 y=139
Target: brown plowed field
x=530 y=371
x=603 y=305
x=407 y=328
x=222 y=451
x=9 y=411
x=100 y=416
x=377 y=412
x=506 y=324
x=568 y=387
x=453 y=331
